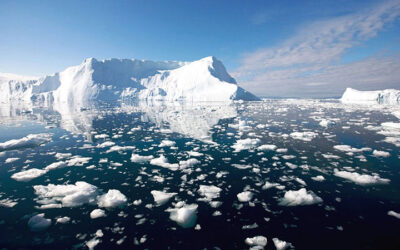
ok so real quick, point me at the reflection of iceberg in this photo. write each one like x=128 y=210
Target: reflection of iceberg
x=194 y=120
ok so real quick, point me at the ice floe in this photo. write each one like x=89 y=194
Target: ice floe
x=361 y=179
x=31 y=140
x=97 y=213
x=113 y=198
x=184 y=216
x=39 y=223
x=160 y=197
x=299 y=198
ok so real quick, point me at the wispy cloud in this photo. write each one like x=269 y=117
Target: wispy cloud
x=308 y=64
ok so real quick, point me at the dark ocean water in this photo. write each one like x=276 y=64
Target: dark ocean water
x=350 y=215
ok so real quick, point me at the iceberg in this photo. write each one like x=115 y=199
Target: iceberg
x=387 y=96
x=126 y=79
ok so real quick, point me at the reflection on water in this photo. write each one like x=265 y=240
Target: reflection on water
x=193 y=120
x=316 y=174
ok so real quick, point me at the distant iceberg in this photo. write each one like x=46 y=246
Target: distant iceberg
x=387 y=96
x=205 y=80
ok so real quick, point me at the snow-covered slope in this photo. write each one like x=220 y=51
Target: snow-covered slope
x=387 y=96
x=202 y=80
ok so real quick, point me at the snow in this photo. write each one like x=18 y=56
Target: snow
x=31 y=140
x=245 y=144
x=387 y=96
x=256 y=241
x=185 y=216
x=113 y=198
x=160 y=197
x=299 y=198
x=70 y=195
x=28 y=175
x=245 y=196
x=361 y=179
x=97 y=213
x=39 y=223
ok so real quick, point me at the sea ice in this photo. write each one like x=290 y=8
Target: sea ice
x=299 y=198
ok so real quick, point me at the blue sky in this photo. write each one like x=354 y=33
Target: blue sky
x=307 y=48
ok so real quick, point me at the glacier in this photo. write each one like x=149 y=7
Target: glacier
x=205 y=80
x=387 y=96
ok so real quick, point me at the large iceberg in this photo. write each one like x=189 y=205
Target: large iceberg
x=116 y=79
x=387 y=96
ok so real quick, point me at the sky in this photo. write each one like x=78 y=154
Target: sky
x=280 y=48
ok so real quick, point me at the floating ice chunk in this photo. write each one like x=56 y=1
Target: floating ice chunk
x=28 y=175
x=209 y=192
x=31 y=140
x=78 y=161
x=378 y=153
x=361 y=179
x=269 y=185
x=12 y=159
x=326 y=123
x=160 y=198
x=60 y=156
x=188 y=163
x=39 y=223
x=347 y=148
x=101 y=136
x=257 y=241
x=113 y=198
x=386 y=96
x=106 y=144
x=97 y=213
x=245 y=144
x=7 y=203
x=304 y=136
x=267 y=147
x=120 y=148
x=245 y=196
x=394 y=214
x=66 y=195
x=281 y=244
x=185 y=216
x=301 y=181
x=162 y=161
x=141 y=159
x=299 y=198
x=194 y=153
x=91 y=244
x=166 y=143
x=318 y=178
x=55 y=165
x=63 y=220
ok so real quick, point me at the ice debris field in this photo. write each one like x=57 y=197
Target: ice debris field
x=274 y=174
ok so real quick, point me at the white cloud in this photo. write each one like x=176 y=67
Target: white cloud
x=308 y=64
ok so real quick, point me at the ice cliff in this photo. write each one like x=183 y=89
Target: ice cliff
x=116 y=79
x=387 y=96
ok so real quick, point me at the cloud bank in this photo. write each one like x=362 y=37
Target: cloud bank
x=310 y=63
